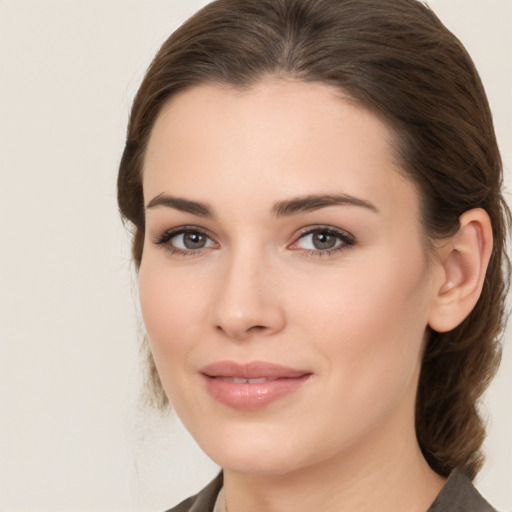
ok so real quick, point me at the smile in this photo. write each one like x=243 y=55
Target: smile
x=252 y=385
x=236 y=380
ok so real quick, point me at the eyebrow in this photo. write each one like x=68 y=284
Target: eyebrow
x=183 y=205
x=311 y=203
x=288 y=207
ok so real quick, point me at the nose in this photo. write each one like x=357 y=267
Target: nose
x=247 y=299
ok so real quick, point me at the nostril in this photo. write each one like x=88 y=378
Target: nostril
x=242 y=332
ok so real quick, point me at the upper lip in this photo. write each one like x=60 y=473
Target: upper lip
x=252 y=370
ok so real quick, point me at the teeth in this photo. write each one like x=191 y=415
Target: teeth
x=237 y=380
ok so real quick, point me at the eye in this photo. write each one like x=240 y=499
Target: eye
x=185 y=240
x=190 y=240
x=323 y=240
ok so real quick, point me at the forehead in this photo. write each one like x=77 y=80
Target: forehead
x=279 y=137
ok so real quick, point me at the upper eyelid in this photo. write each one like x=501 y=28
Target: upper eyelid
x=306 y=230
x=168 y=234
x=311 y=229
x=346 y=238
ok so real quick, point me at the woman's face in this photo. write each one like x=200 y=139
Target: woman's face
x=284 y=282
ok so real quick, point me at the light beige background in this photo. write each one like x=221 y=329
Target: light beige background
x=72 y=436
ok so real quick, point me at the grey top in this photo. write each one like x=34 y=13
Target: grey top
x=457 y=495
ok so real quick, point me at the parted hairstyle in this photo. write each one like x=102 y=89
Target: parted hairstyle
x=396 y=59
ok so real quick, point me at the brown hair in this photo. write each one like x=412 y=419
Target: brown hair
x=396 y=59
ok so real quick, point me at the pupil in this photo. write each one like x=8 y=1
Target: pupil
x=194 y=240
x=324 y=241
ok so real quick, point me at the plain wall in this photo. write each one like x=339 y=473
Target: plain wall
x=73 y=436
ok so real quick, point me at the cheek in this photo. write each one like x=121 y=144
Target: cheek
x=371 y=323
x=173 y=313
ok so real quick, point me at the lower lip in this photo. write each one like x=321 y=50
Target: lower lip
x=249 y=396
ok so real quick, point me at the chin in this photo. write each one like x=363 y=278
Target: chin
x=256 y=454
x=263 y=464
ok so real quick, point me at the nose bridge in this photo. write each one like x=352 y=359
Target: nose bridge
x=246 y=301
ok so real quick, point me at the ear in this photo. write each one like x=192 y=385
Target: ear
x=463 y=261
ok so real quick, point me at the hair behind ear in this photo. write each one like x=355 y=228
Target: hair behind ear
x=463 y=350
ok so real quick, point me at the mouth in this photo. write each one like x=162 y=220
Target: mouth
x=252 y=385
x=237 y=380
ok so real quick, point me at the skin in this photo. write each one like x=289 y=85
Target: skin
x=260 y=290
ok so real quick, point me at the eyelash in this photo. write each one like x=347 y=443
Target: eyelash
x=347 y=240
x=167 y=236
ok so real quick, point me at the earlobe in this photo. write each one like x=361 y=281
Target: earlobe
x=464 y=260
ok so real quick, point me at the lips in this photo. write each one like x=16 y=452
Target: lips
x=237 y=380
x=253 y=385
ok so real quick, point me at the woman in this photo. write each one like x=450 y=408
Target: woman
x=315 y=187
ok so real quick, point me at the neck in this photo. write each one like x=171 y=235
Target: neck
x=363 y=478
x=331 y=489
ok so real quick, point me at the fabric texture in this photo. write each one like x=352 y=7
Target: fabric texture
x=204 y=501
x=457 y=495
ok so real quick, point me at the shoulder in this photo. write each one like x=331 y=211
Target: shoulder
x=459 y=495
x=204 y=501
